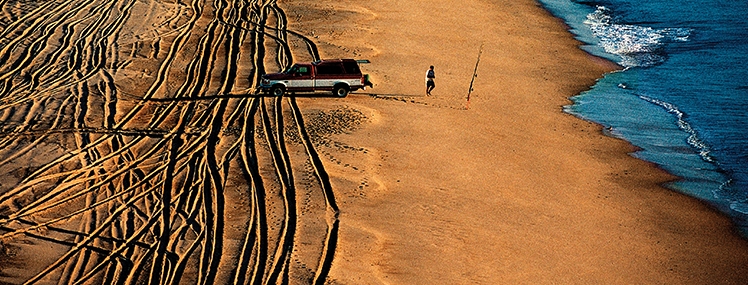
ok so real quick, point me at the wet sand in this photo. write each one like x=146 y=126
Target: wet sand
x=135 y=150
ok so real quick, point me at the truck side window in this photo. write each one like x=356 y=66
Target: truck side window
x=298 y=70
x=326 y=69
x=351 y=68
x=303 y=70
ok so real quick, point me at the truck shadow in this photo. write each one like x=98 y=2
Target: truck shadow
x=383 y=95
x=329 y=95
x=265 y=95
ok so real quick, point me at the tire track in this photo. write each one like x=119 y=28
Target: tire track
x=256 y=235
x=333 y=223
x=163 y=72
x=147 y=178
x=279 y=155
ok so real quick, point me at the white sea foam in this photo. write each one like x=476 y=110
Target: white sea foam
x=738 y=201
x=740 y=207
x=636 y=45
x=693 y=138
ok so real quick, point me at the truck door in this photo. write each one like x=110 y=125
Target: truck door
x=301 y=78
x=327 y=74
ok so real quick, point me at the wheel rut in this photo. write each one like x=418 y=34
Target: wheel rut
x=125 y=155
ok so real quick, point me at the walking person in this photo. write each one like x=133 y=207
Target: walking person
x=430 y=80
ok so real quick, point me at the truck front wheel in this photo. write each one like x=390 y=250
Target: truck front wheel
x=278 y=91
x=340 y=91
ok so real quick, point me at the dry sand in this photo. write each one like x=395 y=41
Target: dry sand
x=511 y=190
x=132 y=153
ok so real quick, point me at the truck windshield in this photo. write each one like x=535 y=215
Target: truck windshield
x=297 y=69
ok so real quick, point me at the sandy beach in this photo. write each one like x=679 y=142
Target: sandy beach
x=511 y=190
x=136 y=150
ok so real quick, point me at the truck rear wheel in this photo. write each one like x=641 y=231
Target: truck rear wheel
x=340 y=91
x=278 y=91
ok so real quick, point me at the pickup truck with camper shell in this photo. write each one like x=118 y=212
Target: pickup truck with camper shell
x=337 y=75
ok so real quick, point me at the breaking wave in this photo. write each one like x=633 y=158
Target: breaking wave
x=636 y=45
x=738 y=200
x=693 y=139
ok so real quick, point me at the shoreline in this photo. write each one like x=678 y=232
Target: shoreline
x=491 y=220
x=700 y=185
x=616 y=67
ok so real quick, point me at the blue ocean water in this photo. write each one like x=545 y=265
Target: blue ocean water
x=682 y=96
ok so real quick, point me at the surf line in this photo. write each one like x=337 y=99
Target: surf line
x=475 y=74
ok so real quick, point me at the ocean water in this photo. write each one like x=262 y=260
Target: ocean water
x=682 y=96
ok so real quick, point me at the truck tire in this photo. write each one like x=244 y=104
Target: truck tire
x=340 y=91
x=278 y=91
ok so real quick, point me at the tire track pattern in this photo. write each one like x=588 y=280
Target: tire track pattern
x=124 y=163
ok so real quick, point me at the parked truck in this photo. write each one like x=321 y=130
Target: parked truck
x=337 y=75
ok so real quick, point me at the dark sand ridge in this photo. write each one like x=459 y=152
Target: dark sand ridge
x=510 y=191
